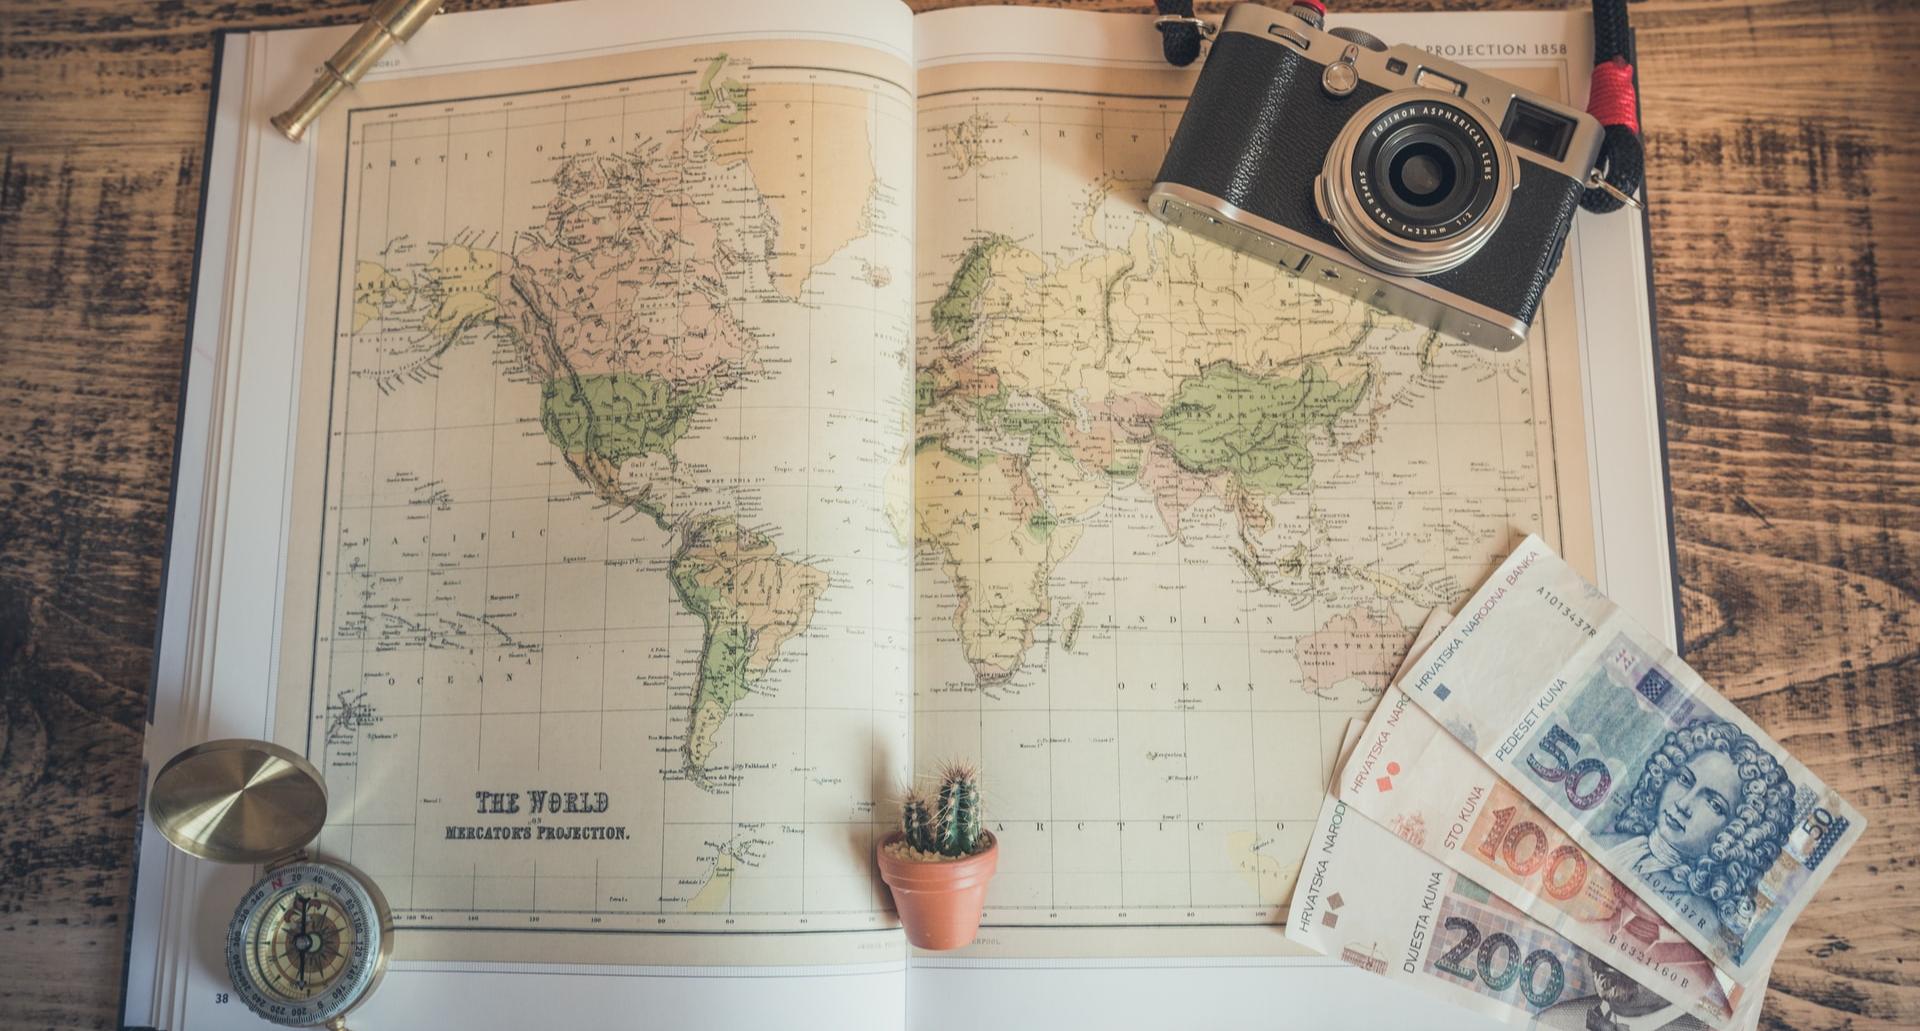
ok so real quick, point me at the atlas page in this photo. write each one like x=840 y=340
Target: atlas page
x=551 y=441
x=608 y=631
x=1178 y=513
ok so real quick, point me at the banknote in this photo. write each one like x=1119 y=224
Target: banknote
x=1649 y=771
x=1415 y=779
x=1373 y=901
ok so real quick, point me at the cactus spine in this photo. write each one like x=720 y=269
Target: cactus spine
x=957 y=823
x=918 y=823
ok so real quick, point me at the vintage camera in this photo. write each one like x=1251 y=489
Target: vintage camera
x=1420 y=186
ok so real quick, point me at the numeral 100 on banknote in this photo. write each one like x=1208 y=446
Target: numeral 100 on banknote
x=1524 y=849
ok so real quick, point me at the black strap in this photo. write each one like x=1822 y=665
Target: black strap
x=1622 y=156
x=1179 y=31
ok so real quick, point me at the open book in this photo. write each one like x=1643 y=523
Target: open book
x=624 y=450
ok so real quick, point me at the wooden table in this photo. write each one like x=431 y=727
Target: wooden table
x=1785 y=191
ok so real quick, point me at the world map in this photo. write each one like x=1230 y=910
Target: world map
x=723 y=444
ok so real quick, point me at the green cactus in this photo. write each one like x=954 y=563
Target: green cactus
x=918 y=823
x=950 y=826
x=956 y=827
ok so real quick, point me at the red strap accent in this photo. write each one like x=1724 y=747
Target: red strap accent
x=1610 y=95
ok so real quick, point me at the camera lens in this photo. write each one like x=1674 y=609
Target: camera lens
x=1416 y=183
x=1425 y=175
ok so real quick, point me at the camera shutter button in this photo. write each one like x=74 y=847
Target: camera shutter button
x=1341 y=77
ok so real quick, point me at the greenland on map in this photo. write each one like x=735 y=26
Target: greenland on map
x=690 y=460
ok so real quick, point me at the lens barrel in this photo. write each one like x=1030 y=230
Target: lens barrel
x=1416 y=182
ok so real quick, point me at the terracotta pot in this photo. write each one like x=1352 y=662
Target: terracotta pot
x=939 y=903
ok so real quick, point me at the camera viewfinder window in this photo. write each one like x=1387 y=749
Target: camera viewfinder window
x=1538 y=129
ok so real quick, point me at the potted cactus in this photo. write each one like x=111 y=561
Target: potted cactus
x=939 y=861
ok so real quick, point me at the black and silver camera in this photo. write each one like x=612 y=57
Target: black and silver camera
x=1423 y=187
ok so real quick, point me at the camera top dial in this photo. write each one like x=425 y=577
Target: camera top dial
x=1360 y=36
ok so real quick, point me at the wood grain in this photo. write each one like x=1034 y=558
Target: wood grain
x=1785 y=187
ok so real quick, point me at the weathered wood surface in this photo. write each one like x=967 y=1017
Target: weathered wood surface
x=1785 y=186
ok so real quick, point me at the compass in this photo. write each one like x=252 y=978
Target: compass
x=311 y=939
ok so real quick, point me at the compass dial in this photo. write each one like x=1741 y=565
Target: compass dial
x=308 y=943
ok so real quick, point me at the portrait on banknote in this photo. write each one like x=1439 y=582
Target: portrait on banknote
x=1687 y=804
x=1709 y=813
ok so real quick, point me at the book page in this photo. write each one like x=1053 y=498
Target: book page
x=1177 y=512
x=593 y=619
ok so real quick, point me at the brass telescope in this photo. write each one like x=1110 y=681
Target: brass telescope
x=392 y=21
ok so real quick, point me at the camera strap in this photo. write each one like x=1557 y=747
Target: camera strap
x=1180 y=31
x=1612 y=100
x=1610 y=96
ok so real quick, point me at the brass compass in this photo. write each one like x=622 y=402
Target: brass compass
x=310 y=941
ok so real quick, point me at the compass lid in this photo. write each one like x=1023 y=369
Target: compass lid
x=238 y=800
